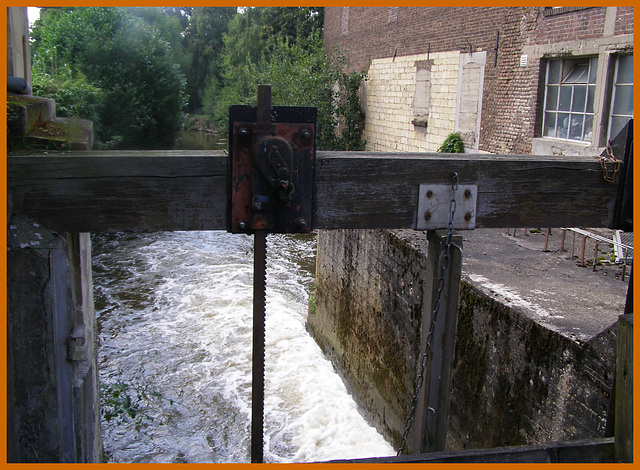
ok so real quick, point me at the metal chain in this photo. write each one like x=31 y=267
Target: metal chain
x=444 y=265
x=610 y=157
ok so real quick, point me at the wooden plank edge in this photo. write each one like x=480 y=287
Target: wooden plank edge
x=597 y=450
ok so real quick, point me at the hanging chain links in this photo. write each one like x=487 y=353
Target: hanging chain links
x=444 y=265
x=609 y=175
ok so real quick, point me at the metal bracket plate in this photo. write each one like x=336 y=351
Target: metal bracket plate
x=434 y=204
x=272 y=168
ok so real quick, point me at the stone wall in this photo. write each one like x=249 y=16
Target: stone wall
x=515 y=381
x=53 y=408
x=368 y=310
x=390 y=90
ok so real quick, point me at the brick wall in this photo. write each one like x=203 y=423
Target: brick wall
x=582 y=24
x=624 y=20
x=512 y=93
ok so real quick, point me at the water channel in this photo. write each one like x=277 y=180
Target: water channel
x=174 y=312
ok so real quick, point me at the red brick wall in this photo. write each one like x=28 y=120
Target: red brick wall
x=571 y=26
x=510 y=96
x=624 y=20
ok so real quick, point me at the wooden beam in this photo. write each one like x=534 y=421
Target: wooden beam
x=119 y=191
x=584 y=451
x=623 y=424
x=369 y=190
x=187 y=190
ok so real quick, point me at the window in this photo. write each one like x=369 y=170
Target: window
x=569 y=97
x=553 y=11
x=621 y=95
x=422 y=96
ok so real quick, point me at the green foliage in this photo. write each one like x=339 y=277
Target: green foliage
x=73 y=96
x=203 y=31
x=452 y=144
x=125 y=57
x=283 y=47
x=124 y=401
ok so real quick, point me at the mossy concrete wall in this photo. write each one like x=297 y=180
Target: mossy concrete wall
x=514 y=381
x=368 y=321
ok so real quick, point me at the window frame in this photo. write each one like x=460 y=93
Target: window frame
x=613 y=92
x=567 y=66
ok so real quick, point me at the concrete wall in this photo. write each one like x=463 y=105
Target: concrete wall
x=368 y=320
x=18 y=49
x=52 y=383
x=514 y=380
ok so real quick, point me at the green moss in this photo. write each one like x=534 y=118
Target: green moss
x=470 y=351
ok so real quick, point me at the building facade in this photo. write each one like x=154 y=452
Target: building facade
x=520 y=80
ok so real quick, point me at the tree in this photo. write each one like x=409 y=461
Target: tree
x=126 y=58
x=291 y=23
x=292 y=58
x=203 y=38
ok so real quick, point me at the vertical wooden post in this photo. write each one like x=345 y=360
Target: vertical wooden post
x=623 y=424
x=432 y=411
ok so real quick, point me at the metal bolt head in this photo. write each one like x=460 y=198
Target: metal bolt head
x=243 y=132
x=242 y=225
x=305 y=134
x=301 y=224
x=467 y=193
x=429 y=194
x=467 y=216
x=427 y=216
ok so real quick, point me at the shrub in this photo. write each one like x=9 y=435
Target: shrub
x=452 y=144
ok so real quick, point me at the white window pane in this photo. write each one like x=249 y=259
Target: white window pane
x=625 y=69
x=554 y=71
x=564 y=103
x=552 y=98
x=623 y=100
x=579 y=98
x=549 y=124
x=593 y=70
x=575 y=129
x=563 y=125
x=588 y=128
x=578 y=74
x=617 y=123
x=590 y=97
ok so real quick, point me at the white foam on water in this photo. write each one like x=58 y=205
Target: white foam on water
x=175 y=312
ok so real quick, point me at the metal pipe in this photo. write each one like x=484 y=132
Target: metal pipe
x=546 y=240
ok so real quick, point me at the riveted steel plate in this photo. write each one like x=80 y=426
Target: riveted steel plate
x=434 y=206
x=272 y=167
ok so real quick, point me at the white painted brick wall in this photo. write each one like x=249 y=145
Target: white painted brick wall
x=390 y=89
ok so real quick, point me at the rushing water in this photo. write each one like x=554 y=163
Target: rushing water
x=174 y=312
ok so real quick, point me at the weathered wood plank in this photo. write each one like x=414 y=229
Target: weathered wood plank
x=187 y=190
x=624 y=390
x=381 y=190
x=584 y=451
x=114 y=191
